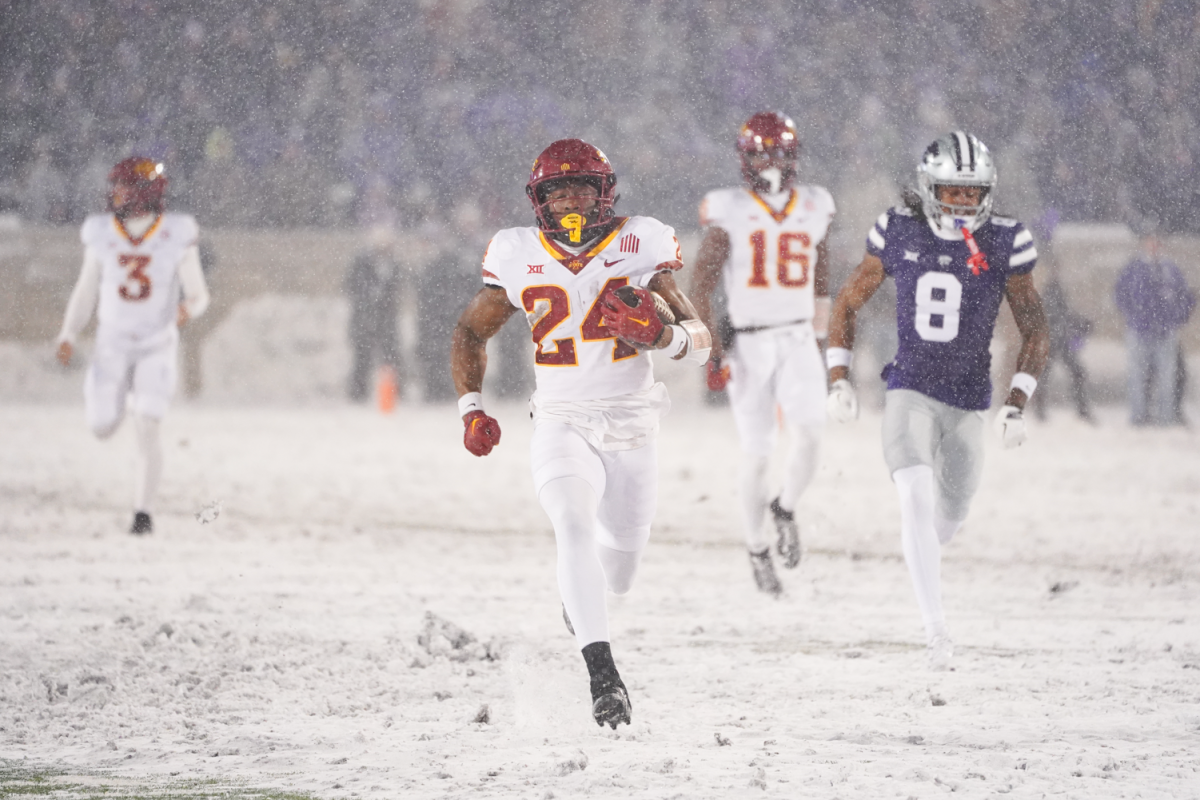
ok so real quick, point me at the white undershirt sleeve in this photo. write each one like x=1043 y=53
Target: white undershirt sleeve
x=83 y=298
x=191 y=277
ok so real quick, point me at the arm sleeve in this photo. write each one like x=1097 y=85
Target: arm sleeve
x=877 y=236
x=1024 y=252
x=83 y=298
x=191 y=278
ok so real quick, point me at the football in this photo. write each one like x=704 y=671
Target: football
x=628 y=296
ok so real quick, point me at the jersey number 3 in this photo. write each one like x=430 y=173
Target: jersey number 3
x=137 y=282
x=939 y=297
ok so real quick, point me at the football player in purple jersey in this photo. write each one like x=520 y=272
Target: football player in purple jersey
x=953 y=261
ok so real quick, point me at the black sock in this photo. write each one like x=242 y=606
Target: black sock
x=601 y=667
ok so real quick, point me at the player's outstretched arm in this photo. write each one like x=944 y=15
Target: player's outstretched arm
x=714 y=252
x=861 y=286
x=80 y=307
x=1031 y=360
x=822 y=305
x=195 y=290
x=868 y=276
x=483 y=317
x=1027 y=311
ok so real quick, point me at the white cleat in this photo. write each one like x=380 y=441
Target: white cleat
x=939 y=652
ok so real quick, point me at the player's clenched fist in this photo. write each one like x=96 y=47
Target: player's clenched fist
x=629 y=313
x=482 y=433
x=842 y=404
x=716 y=375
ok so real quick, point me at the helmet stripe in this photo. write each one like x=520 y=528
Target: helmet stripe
x=971 y=149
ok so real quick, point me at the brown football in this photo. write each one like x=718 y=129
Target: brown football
x=628 y=296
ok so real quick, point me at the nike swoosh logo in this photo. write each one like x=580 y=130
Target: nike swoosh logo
x=608 y=263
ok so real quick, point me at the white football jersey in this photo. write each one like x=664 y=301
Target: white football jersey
x=139 y=278
x=577 y=357
x=772 y=254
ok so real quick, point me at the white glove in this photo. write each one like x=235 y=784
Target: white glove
x=842 y=403
x=1010 y=426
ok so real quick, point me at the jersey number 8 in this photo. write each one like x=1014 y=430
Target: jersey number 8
x=939 y=296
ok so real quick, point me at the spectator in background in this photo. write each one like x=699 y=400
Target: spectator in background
x=1068 y=330
x=373 y=285
x=1156 y=302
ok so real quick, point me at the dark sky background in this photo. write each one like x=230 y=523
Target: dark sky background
x=323 y=113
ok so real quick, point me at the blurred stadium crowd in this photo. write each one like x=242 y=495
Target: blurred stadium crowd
x=318 y=113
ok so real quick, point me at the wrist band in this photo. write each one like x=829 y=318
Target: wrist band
x=679 y=341
x=1025 y=382
x=838 y=357
x=471 y=401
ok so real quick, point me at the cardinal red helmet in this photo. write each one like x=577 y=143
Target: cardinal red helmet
x=772 y=134
x=571 y=158
x=136 y=186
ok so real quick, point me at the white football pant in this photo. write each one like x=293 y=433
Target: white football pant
x=778 y=368
x=601 y=504
x=143 y=377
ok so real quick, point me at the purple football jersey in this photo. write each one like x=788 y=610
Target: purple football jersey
x=946 y=307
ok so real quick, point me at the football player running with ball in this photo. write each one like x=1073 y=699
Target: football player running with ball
x=584 y=279
x=141 y=274
x=769 y=241
x=953 y=261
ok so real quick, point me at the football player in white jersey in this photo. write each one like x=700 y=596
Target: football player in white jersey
x=584 y=277
x=141 y=274
x=768 y=240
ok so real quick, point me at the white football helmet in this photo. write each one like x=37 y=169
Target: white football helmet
x=956 y=159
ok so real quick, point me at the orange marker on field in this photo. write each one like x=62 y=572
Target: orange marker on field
x=385 y=389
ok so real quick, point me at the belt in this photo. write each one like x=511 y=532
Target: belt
x=757 y=328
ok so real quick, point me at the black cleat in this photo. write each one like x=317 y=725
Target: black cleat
x=789 y=534
x=567 y=619
x=764 y=573
x=142 y=524
x=611 y=706
x=610 y=700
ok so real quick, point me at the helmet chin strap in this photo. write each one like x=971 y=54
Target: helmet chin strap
x=774 y=178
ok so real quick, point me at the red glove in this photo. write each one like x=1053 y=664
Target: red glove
x=717 y=375
x=482 y=433
x=637 y=324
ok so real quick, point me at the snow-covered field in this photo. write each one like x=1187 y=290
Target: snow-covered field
x=287 y=644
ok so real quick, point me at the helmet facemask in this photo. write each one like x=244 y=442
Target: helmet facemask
x=956 y=159
x=595 y=210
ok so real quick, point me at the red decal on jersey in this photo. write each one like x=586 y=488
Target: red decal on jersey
x=672 y=266
x=558 y=308
x=535 y=269
x=608 y=263
x=491 y=275
x=977 y=260
x=758 y=260
x=594 y=329
x=629 y=243
x=136 y=266
x=787 y=256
